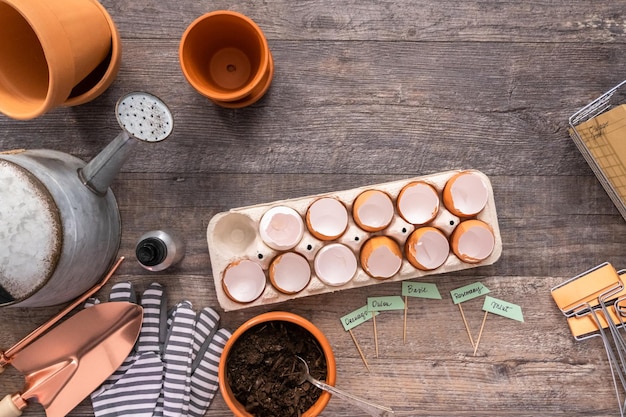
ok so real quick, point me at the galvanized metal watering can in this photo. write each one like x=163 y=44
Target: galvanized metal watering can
x=60 y=225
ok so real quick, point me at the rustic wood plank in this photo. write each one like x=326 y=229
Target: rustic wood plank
x=502 y=21
x=422 y=119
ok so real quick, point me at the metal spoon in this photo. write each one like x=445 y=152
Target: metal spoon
x=369 y=407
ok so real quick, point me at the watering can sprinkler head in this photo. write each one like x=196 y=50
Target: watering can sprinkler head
x=142 y=117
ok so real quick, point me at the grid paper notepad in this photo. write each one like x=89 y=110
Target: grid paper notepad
x=604 y=136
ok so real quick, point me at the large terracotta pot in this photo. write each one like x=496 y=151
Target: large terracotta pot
x=54 y=53
x=225 y=57
x=331 y=373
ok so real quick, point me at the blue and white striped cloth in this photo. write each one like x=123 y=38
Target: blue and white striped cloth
x=173 y=370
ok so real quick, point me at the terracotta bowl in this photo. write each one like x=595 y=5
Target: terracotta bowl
x=331 y=372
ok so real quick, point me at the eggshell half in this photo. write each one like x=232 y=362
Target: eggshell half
x=427 y=248
x=327 y=218
x=418 y=203
x=290 y=273
x=465 y=194
x=373 y=210
x=472 y=241
x=381 y=257
x=243 y=281
x=335 y=264
x=281 y=228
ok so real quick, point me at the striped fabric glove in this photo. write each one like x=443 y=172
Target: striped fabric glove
x=173 y=371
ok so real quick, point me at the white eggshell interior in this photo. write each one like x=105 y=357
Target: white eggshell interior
x=469 y=194
x=291 y=272
x=432 y=249
x=245 y=281
x=476 y=243
x=281 y=228
x=335 y=264
x=328 y=216
x=419 y=203
x=377 y=211
x=383 y=262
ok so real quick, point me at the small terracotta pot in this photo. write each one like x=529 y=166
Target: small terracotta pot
x=54 y=53
x=331 y=373
x=225 y=57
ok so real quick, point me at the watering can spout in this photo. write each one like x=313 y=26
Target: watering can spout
x=142 y=117
x=99 y=173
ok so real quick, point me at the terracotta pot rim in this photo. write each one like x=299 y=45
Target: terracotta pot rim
x=115 y=60
x=331 y=366
x=250 y=87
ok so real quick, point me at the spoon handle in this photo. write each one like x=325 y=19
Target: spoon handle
x=369 y=407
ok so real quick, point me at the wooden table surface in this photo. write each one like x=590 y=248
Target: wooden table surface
x=369 y=91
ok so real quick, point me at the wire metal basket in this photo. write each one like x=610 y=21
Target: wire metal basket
x=600 y=153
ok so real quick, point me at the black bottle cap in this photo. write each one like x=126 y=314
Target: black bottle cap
x=151 y=251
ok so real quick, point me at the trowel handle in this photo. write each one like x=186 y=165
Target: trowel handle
x=8 y=408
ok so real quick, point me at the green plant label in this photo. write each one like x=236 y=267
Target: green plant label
x=468 y=292
x=503 y=308
x=420 y=290
x=358 y=316
x=392 y=302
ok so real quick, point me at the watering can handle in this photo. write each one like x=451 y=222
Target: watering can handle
x=8 y=407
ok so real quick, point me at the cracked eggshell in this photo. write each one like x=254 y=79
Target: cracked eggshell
x=327 y=218
x=427 y=248
x=381 y=257
x=281 y=228
x=335 y=264
x=290 y=273
x=465 y=194
x=472 y=241
x=418 y=202
x=243 y=281
x=373 y=210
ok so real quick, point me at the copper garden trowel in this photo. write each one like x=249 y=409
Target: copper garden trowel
x=66 y=364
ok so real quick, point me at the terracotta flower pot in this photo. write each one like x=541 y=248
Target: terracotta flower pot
x=331 y=373
x=54 y=53
x=225 y=57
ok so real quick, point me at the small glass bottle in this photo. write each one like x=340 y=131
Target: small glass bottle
x=158 y=250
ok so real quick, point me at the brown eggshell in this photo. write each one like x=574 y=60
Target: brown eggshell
x=472 y=241
x=418 y=202
x=427 y=248
x=373 y=210
x=244 y=281
x=381 y=257
x=465 y=194
x=290 y=273
x=327 y=218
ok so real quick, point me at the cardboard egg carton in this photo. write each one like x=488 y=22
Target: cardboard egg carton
x=234 y=236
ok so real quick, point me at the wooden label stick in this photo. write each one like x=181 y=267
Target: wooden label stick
x=480 y=333
x=419 y=290
x=353 y=319
x=375 y=332
x=360 y=351
x=387 y=303
x=469 y=333
x=466 y=293
x=501 y=308
x=406 y=309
